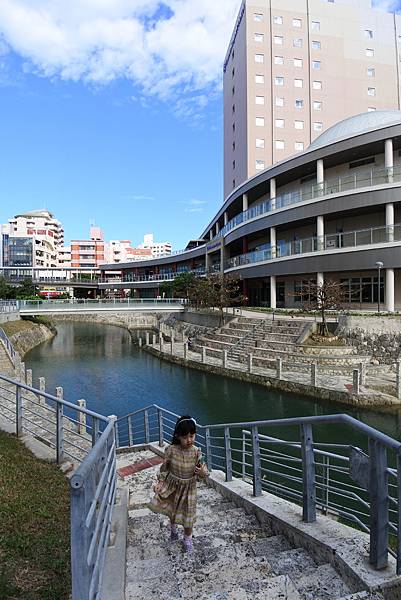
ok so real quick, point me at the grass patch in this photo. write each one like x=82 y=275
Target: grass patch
x=34 y=526
x=12 y=327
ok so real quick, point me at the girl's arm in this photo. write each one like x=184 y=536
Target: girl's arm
x=201 y=469
x=164 y=469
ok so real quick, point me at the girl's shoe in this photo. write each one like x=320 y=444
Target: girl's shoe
x=188 y=544
x=173 y=533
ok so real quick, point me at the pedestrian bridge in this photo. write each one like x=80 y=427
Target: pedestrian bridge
x=86 y=306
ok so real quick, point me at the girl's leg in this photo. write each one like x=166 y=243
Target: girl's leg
x=173 y=531
x=188 y=545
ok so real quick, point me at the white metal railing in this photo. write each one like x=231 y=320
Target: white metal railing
x=79 y=304
x=8 y=306
x=9 y=348
x=170 y=276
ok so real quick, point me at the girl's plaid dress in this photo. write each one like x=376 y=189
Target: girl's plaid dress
x=177 y=498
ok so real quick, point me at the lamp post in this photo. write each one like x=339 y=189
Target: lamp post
x=379 y=266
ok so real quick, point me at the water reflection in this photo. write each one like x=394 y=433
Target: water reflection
x=101 y=364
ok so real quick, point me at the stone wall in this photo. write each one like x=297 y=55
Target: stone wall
x=192 y=324
x=128 y=320
x=378 y=336
x=23 y=341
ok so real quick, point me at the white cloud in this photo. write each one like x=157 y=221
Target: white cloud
x=142 y=198
x=170 y=48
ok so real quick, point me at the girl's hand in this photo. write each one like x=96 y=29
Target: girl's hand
x=201 y=470
x=157 y=488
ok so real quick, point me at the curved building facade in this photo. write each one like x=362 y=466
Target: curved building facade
x=333 y=211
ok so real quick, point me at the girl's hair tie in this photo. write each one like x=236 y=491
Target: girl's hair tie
x=190 y=419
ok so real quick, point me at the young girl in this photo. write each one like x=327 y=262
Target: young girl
x=175 y=491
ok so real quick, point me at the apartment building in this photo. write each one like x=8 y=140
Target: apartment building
x=158 y=248
x=121 y=251
x=294 y=68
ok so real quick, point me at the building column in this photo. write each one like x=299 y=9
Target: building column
x=222 y=255
x=320 y=279
x=217 y=228
x=320 y=176
x=244 y=245
x=390 y=222
x=272 y=194
x=273 y=246
x=211 y=234
x=273 y=301
x=389 y=290
x=320 y=232
x=244 y=202
x=225 y=218
x=207 y=262
x=389 y=159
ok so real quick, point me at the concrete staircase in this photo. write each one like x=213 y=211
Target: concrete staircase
x=235 y=557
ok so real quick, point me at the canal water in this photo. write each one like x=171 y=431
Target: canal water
x=101 y=364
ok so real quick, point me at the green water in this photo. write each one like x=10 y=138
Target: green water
x=101 y=364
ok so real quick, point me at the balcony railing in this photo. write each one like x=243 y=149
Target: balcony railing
x=337 y=185
x=348 y=239
x=129 y=278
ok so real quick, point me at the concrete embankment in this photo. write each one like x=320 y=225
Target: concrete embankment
x=25 y=335
x=131 y=321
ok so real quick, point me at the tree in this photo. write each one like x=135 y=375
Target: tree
x=330 y=295
x=6 y=290
x=26 y=290
x=218 y=291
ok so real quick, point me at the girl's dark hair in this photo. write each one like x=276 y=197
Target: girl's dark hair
x=184 y=425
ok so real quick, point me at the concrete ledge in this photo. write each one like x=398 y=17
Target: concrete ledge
x=113 y=585
x=345 y=548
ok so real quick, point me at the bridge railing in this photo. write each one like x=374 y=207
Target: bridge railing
x=8 y=306
x=88 y=439
x=359 y=486
x=83 y=303
x=8 y=346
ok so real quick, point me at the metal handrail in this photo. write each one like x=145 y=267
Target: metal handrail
x=239 y=342
x=8 y=345
x=318 y=482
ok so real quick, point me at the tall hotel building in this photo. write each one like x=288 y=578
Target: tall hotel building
x=296 y=67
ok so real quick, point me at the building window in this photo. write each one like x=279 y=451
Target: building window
x=316 y=64
x=317 y=126
x=297 y=23
x=317 y=105
x=260 y=143
x=279 y=101
x=315 y=25
x=280 y=123
x=259 y=165
x=297 y=42
x=279 y=80
x=277 y=20
x=258 y=17
x=259 y=121
x=316 y=45
x=369 y=34
x=279 y=60
x=371 y=91
x=278 y=40
x=259 y=100
x=298 y=83
x=370 y=72
x=298 y=62
x=258 y=37
x=280 y=145
x=370 y=52
x=298 y=146
x=371 y=108
x=259 y=58
x=298 y=124
x=259 y=78
x=299 y=103
x=317 y=85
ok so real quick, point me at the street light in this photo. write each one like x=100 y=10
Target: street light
x=379 y=266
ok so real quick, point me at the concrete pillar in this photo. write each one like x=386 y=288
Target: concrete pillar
x=389 y=159
x=185 y=351
x=81 y=428
x=320 y=176
x=361 y=367
x=273 y=242
x=250 y=363
x=172 y=333
x=313 y=374
x=29 y=377
x=222 y=255
x=320 y=279
x=211 y=234
x=42 y=388
x=203 y=354
x=355 y=381
x=244 y=202
x=161 y=343
x=207 y=262
x=390 y=222
x=59 y=392
x=224 y=359
x=217 y=227
x=273 y=193
x=140 y=342
x=320 y=232
x=273 y=301
x=389 y=290
x=147 y=338
x=22 y=372
x=153 y=340
x=225 y=218
x=172 y=346
x=279 y=368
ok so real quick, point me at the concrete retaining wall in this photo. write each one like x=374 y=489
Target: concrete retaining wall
x=121 y=319
x=28 y=339
x=378 y=336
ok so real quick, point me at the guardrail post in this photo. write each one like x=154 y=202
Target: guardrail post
x=185 y=351
x=379 y=504
x=130 y=432
x=153 y=340
x=42 y=388
x=208 y=446
x=398 y=379
x=147 y=338
x=140 y=341
x=18 y=410
x=224 y=359
x=146 y=425
x=59 y=427
x=308 y=474
x=203 y=354
x=361 y=368
x=95 y=430
x=171 y=346
x=81 y=417
x=257 y=468
x=227 y=448
x=355 y=381
x=161 y=342
x=160 y=425
x=279 y=368
x=313 y=374
x=22 y=372
x=250 y=361
x=29 y=377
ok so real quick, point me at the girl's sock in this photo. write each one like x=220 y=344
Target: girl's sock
x=188 y=545
x=173 y=532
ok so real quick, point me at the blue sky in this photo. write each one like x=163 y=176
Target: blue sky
x=111 y=111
